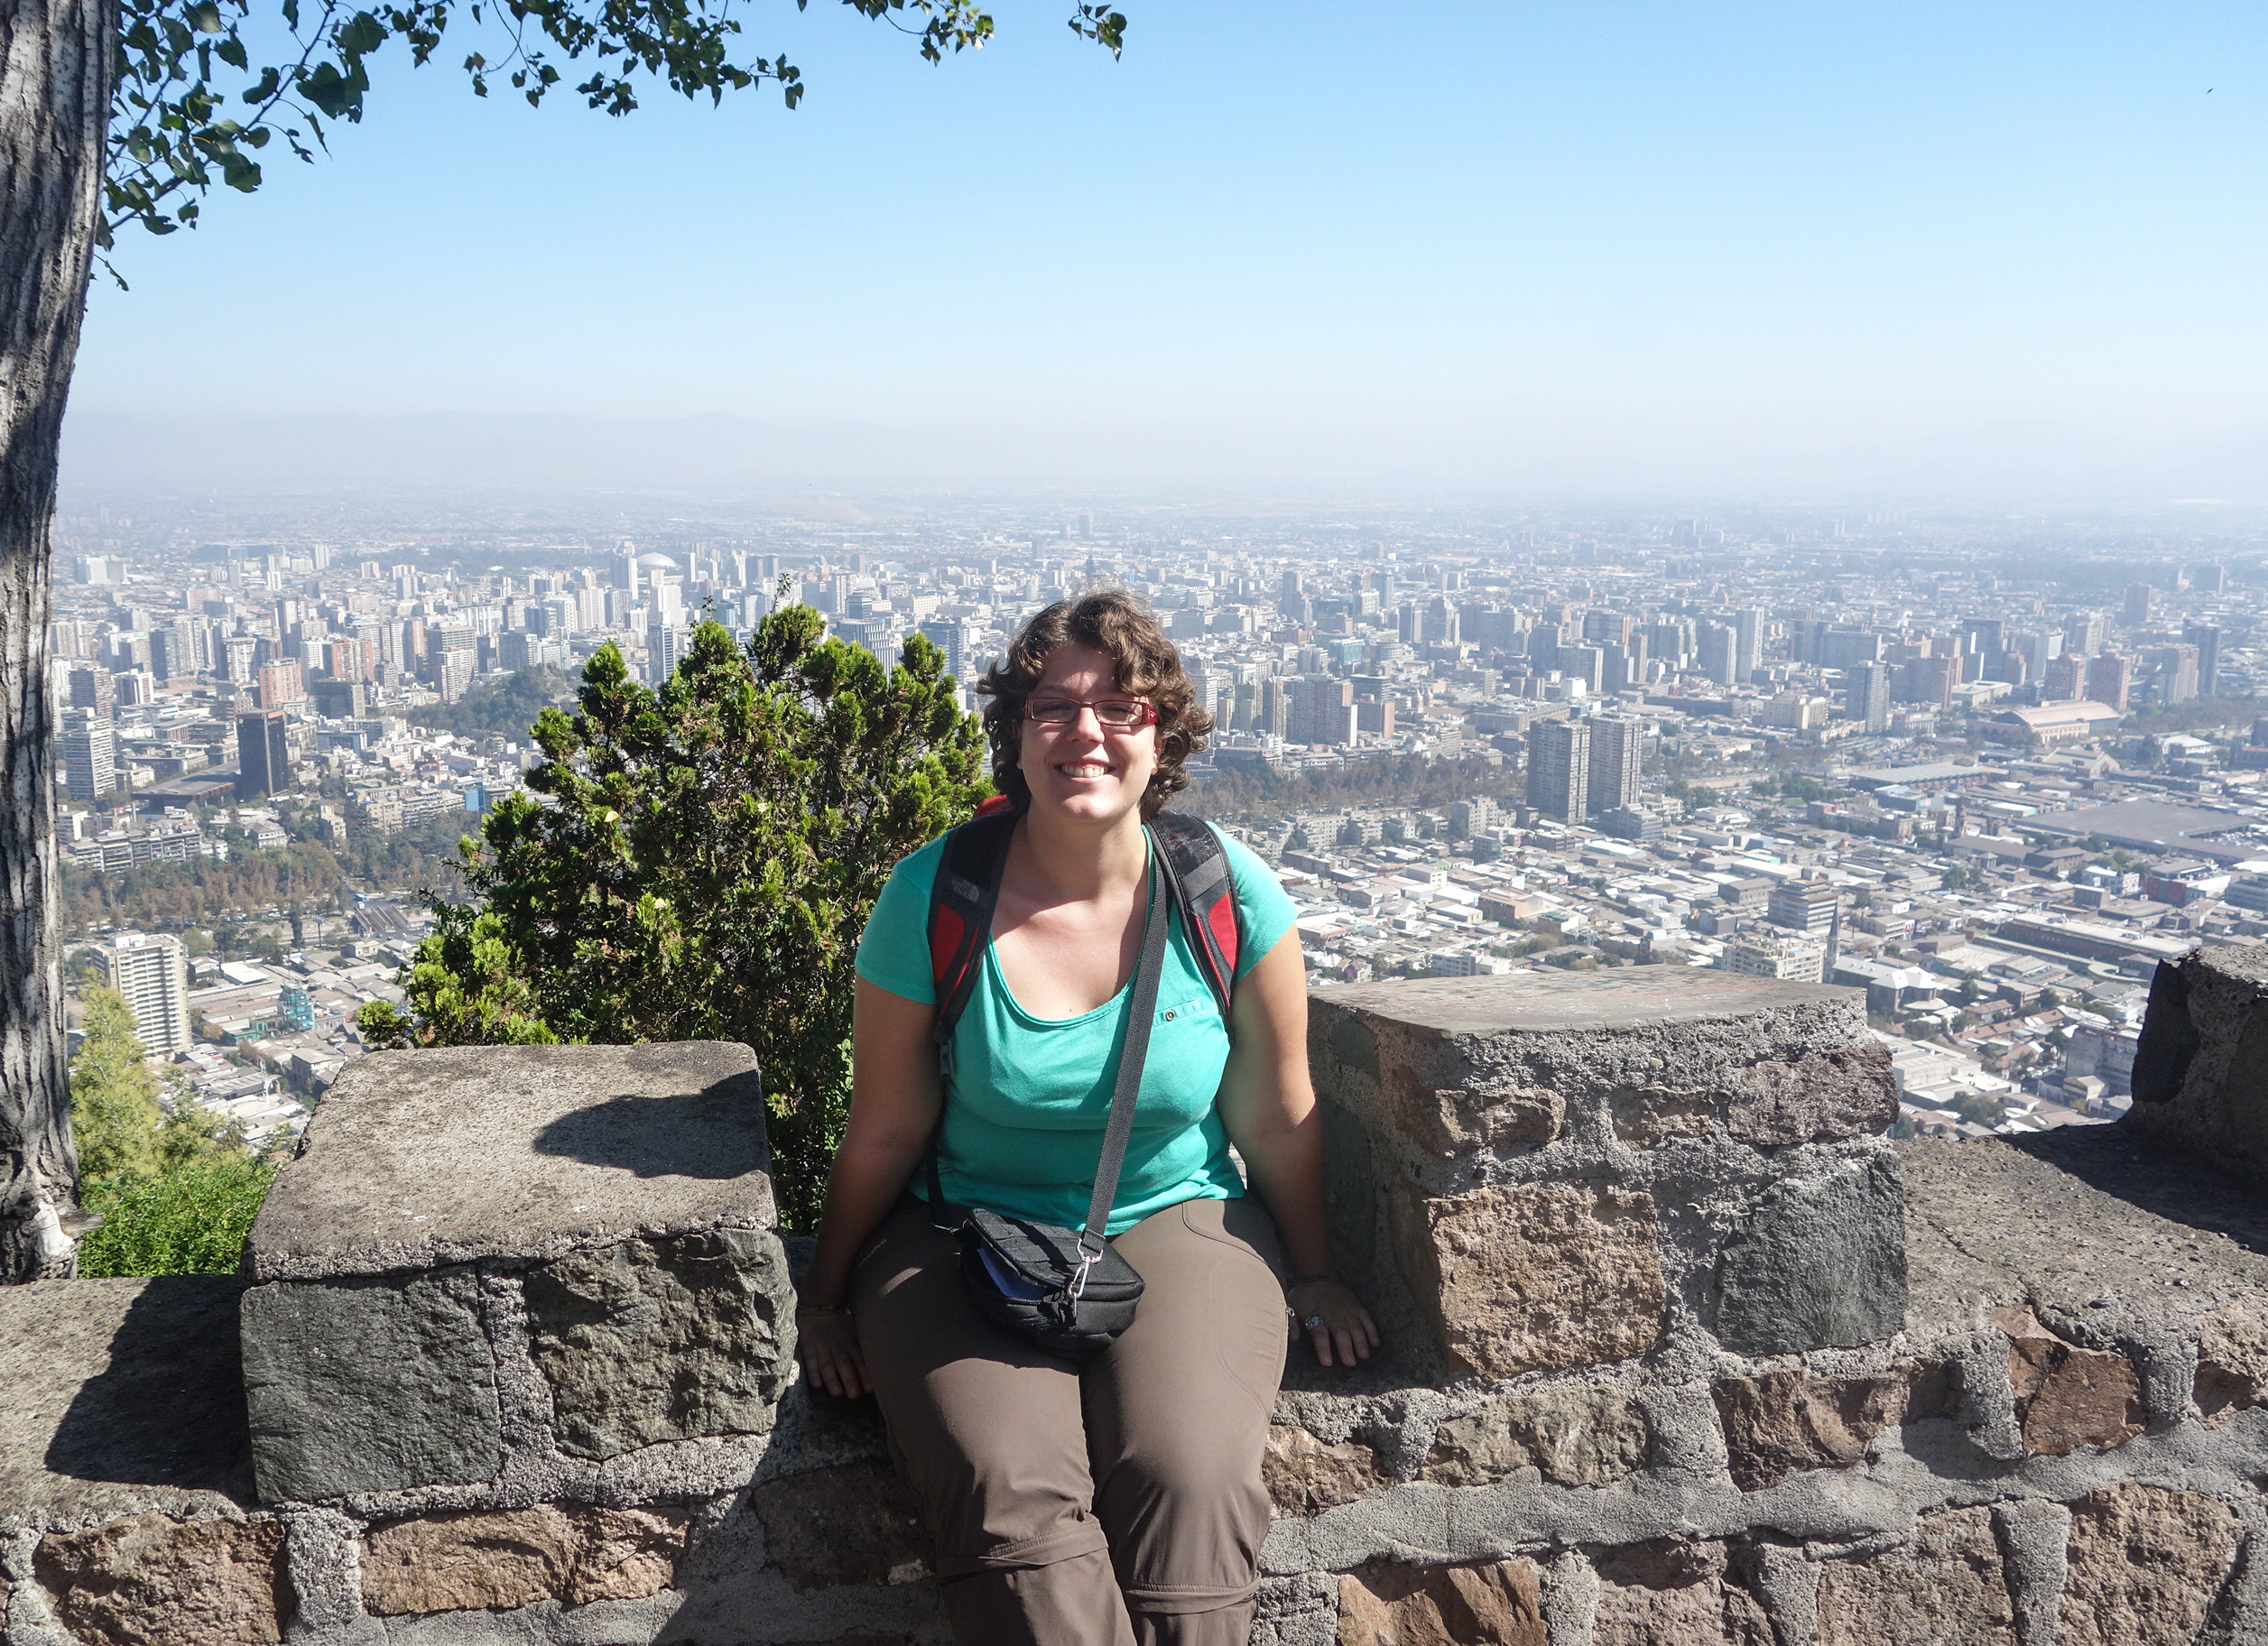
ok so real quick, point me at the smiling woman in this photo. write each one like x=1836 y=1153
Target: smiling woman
x=1115 y=1498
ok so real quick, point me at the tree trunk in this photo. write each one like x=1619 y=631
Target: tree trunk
x=57 y=57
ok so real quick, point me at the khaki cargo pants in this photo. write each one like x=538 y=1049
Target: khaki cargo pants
x=1103 y=1504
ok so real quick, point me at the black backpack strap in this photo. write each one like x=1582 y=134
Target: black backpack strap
x=1205 y=889
x=961 y=903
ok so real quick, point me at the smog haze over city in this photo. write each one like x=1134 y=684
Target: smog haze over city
x=1757 y=488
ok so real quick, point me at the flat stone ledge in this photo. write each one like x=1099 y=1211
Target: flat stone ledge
x=1640 y=997
x=421 y=1158
x=120 y=1398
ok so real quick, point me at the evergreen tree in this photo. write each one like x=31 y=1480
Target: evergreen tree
x=114 y=1108
x=702 y=865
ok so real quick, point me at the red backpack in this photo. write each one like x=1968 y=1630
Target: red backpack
x=968 y=886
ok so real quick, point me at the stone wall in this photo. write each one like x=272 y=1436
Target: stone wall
x=1682 y=1351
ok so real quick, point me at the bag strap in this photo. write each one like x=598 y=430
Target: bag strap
x=1118 y=1131
x=1131 y=1055
x=1204 y=888
x=961 y=901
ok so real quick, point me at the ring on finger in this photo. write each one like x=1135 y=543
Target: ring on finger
x=1314 y=1323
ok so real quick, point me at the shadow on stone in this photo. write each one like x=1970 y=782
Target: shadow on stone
x=2172 y=1183
x=170 y=1409
x=716 y=1133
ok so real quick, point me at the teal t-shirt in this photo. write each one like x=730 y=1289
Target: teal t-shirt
x=1029 y=1095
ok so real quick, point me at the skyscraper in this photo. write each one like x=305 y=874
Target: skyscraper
x=2137 y=605
x=263 y=754
x=1559 y=769
x=1322 y=710
x=2110 y=678
x=88 y=748
x=1869 y=695
x=1616 y=744
x=149 y=970
x=1720 y=653
x=2065 y=679
x=2206 y=638
x=1748 y=642
x=950 y=637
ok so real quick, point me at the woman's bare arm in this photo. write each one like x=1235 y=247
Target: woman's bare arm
x=1269 y=1108
x=895 y=1097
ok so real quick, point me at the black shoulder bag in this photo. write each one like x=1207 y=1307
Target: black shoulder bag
x=1068 y=1289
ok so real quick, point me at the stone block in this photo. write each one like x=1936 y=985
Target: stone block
x=1492 y=1063
x=1388 y=1603
x=1843 y=1092
x=664 y=1339
x=1305 y=1476
x=152 y=1578
x=1948 y=1586
x=1570 y=1436
x=1778 y=1422
x=853 y=1524
x=2145 y=1565
x=1533 y=1277
x=2201 y=1067
x=120 y=1397
x=2232 y=1360
x=515 y=1558
x=1670 y=1592
x=1818 y=1262
x=369 y=1385
x=2066 y=1396
x=547 y=1150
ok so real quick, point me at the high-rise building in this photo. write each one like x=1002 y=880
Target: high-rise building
x=1322 y=710
x=1559 y=768
x=2206 y=638
x=2176 y=673
x=2110 y=678
x=279 y=683
x=2065 y=679
x=150 y=971
x=89 y=749
x=1868 y=694
x=2137 y=605
x=1748 y=642
x=1720 y=653
x=1801 y=905
x=665 y=648
x=2086 y=632
x=950 y=637
x=1616 y=745
x=94 y=688
x=263 y=754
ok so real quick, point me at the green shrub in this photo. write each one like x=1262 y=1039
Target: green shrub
x=191 y=1218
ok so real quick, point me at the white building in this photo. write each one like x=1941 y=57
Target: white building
x=152 y=974
x=1789 y=959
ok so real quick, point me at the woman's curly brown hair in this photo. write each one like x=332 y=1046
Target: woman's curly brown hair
x=1115 y=621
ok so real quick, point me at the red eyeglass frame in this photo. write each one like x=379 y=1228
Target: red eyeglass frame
x=1149 y=712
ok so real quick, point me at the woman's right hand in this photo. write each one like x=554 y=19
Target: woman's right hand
x=828 y=1345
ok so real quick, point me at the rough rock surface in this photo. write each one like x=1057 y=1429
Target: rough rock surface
x=2066 y=1396
x=1669 y=1592
x=551 y=1149
x=152 y=1578
x=1778 y=1422
x=2201 y=1068
x=853 y=1524
x=1842 y=1093
x=2146 y=1565
x=1305 y=1476
x=361 y=1385
x=513 y=1558
x=1529 y=1278
x=1818 y=1262
x=2231 y=1366
x=118 y=1397
x=1388 y=1603
x=664 y=1339
x=1948 y=1586
x=1574 y=1437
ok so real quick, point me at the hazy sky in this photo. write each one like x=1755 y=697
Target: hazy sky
x=1578 y=224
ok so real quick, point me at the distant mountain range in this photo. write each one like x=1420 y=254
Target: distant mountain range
x=109 y=453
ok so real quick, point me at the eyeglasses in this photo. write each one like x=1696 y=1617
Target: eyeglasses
x=1111 y=714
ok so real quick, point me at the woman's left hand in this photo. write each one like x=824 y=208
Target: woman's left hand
x=1334 y=1320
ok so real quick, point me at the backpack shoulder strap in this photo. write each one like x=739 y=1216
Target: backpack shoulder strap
x=1196 y=868
x=961 y=901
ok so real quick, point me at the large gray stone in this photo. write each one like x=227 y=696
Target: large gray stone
x=418 y=1158
x=118 y=1397
x=2201 y=1068
x=367 y=1385
x=1818 y=1262
x=669 y=1339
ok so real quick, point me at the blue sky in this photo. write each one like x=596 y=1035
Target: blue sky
x=1587 y=225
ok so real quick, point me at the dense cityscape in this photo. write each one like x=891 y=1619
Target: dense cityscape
x=1990 y=770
